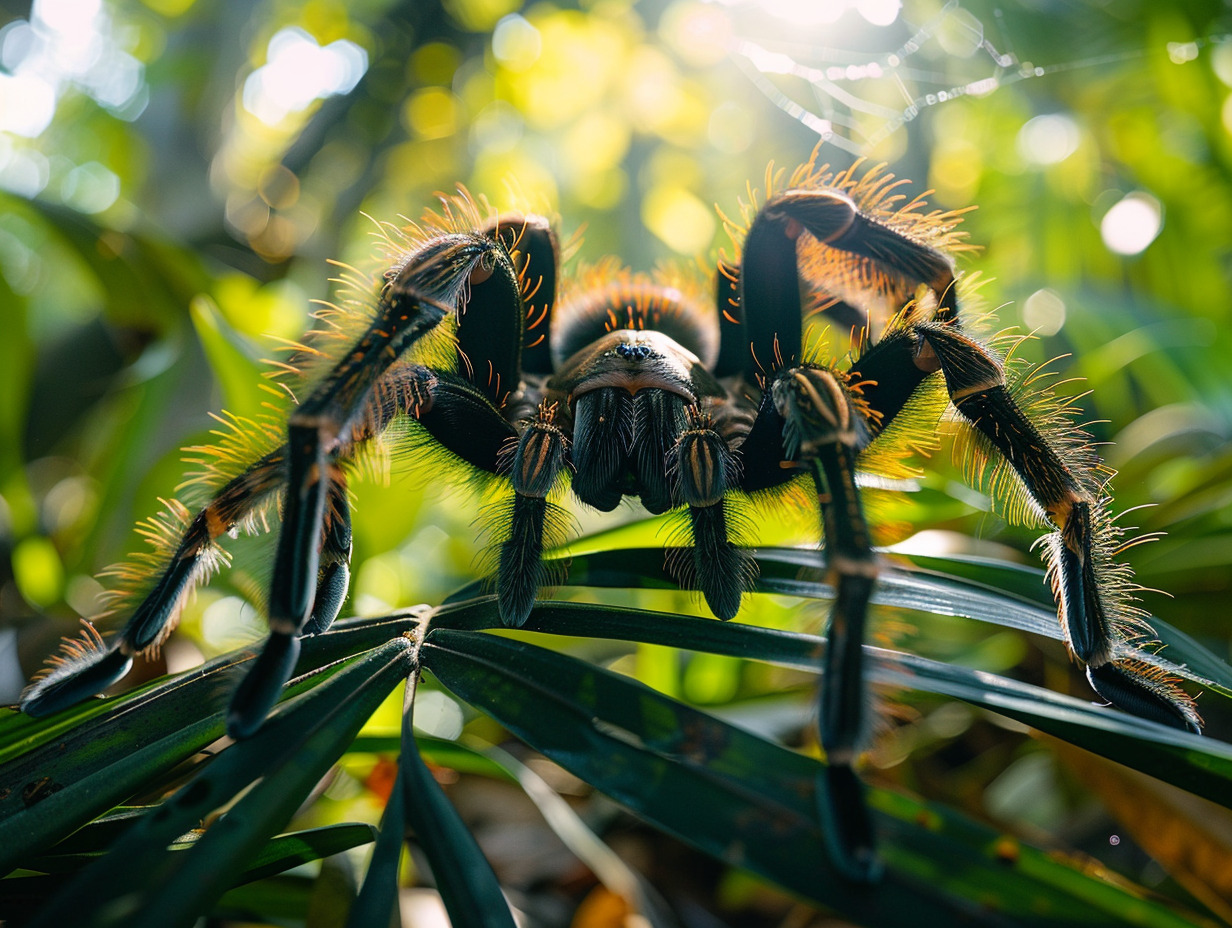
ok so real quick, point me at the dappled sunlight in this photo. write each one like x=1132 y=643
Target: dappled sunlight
x=65 y=48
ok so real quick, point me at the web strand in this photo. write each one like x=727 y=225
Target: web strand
x=842 y=109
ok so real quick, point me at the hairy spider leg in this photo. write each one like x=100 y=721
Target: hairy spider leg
x=704 y=468
x=824 y=431
x=535 y=459
x=812 y=420
x=466 y=414
x=769 y=269
x=533 y=246
x=1074 y=503
x=539 y=459
x=447 y=273
x=84 y=668
x=87 y=668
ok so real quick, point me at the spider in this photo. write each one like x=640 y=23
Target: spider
x=690 y=396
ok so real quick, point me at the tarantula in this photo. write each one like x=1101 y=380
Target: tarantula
x=624 y=384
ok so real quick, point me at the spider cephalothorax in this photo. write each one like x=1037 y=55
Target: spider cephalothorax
x=686 y=394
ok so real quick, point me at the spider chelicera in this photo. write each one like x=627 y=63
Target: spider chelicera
x=688 y=395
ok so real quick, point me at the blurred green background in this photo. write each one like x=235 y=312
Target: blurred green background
x=175 y=176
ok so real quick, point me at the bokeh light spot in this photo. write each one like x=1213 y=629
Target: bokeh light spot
x=1132 y=224
x=879 y=12
x=1181 y=52
x=227 y=623
x=23 y=171
x=432 y=113
x=596 y=142
x=1048 y=139
x=435 y=63
x=37 y=570
x=27 y=103
x=298 y=72
x=90 y=188
x=1221 y=63
x=806 y=12
x=438 y=715
x=516 y=43
x=700 y=34
x=1043 y=312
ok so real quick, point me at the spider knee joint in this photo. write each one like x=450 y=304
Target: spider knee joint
x=817 y=410
x=970 y=369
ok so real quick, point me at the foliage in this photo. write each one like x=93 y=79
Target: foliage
x=732 y=792
x=147 y=240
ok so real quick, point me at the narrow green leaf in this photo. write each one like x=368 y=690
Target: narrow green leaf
x=87 y=759
x=238 y=372
x=1201 y=765
x=288 y=851
x=468 y=887
x=180 y=698
x=285 y=899
x=377 y=900
x=183 y=888
x=302 y=736
x=750 y=802
x=437 y=751
x=283 y=852
x=464 y=878
x=66 y=807
x=801 y=572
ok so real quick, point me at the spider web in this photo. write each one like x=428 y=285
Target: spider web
x=858 y=99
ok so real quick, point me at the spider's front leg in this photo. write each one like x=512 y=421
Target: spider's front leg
x=823 y=431
x=814 y=419
x=444 y=276
x=86 y=666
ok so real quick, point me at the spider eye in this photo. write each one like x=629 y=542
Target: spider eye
x=633 y=352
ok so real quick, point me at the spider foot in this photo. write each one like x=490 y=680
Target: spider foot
x=847 y=826
x=521 y=567
x=1145 y=691
x=262 y=685
x=83 y=669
